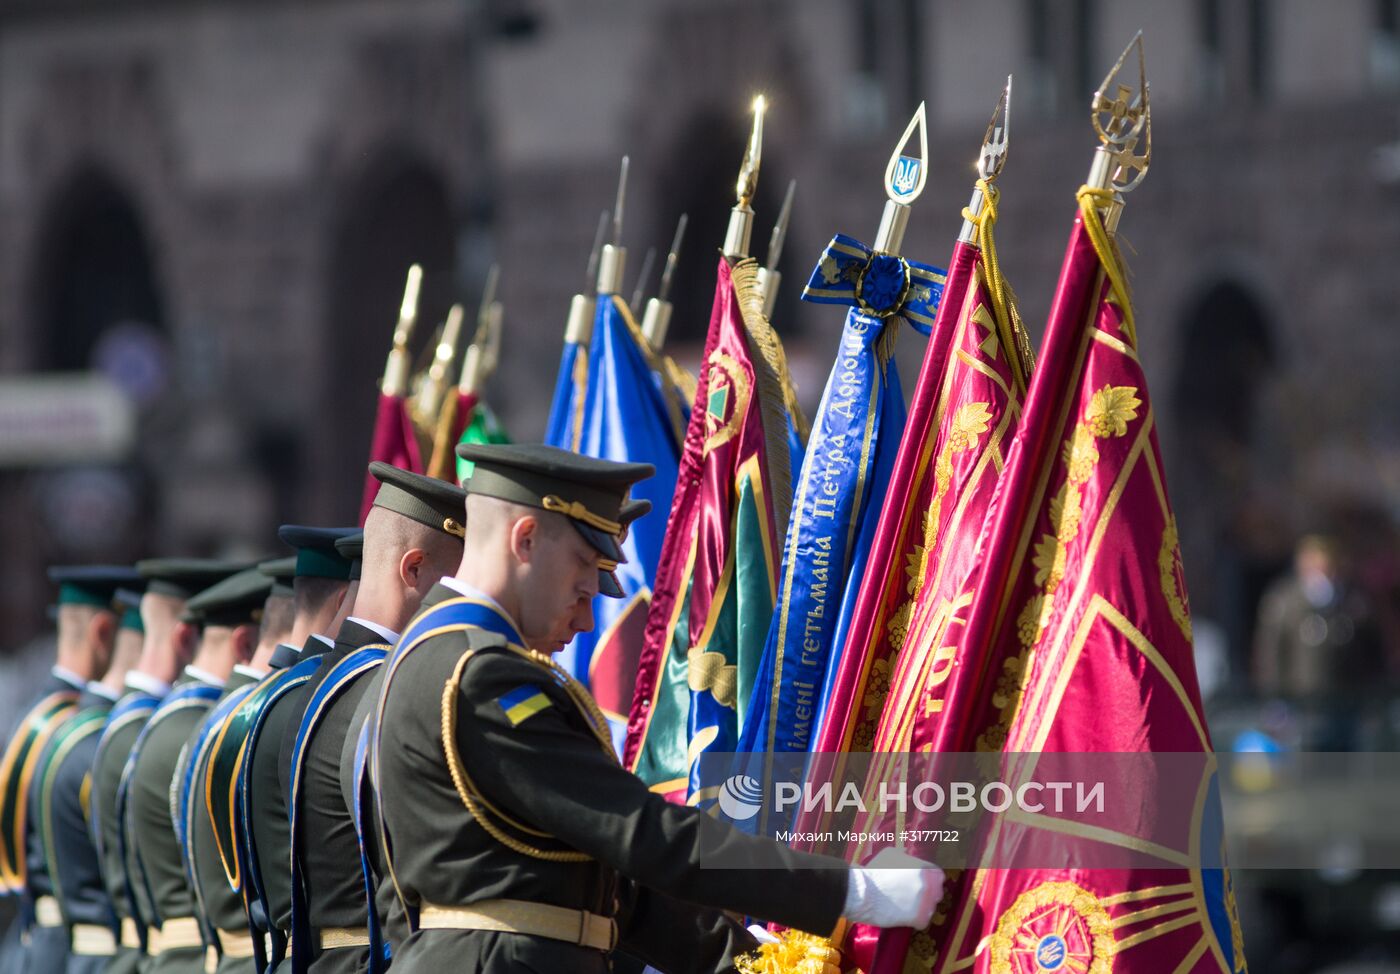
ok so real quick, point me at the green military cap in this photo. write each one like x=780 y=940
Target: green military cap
x=281 y=571
x=183 y=577
x=91 y=584
x=316 y=554
x=235 y=601
x=426 y=500
x=352 y=546
x=128 y=602
x=588 y=491
x=607 y=580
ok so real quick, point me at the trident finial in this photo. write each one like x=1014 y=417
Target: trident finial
x=736 y=239
x=996 y=142
x=1122 y=118
x=904 y=181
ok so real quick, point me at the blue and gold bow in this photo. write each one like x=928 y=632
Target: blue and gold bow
x=878 y=285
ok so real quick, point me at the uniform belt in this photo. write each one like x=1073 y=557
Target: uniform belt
x=332 y=937
x=174 y=934
x=131 y=934
x=93 y=940
x=521 y=916
x=47 y=912
x=236 y=943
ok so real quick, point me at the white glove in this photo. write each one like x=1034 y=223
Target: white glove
x=761 y=934
x=894 y=890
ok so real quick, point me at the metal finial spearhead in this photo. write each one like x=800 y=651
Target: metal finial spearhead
x=612 y=260
x=398 y=367
x=904 y=181
x=1118 y=111
x=488 y=298
x=1122 y=122
x=621 y=199
x=995 y=144
x=747 y=183
x=668 y=270
x=591 y=272
x=642 y=276
x=740 y=231
x=780 y=227
x=408 y=307
x=769 y=277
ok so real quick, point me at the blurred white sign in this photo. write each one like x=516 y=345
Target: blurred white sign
x=62 y=418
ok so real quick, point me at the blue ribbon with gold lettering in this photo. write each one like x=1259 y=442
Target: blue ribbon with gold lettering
x=845 y=471
x=877 y=285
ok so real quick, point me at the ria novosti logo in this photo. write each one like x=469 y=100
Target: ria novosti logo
x=740 y=797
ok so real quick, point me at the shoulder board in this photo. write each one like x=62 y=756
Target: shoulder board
x=341 y=676
x=80 y=727
x=17 y=769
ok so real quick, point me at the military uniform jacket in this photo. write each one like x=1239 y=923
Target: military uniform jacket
x=329 y=864
x=220 y=905
x=267 y=809
x=62 y=819
x=158 y=863
x=119 y=735
x=545 y=773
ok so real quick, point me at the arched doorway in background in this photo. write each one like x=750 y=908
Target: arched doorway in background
x=394 y=214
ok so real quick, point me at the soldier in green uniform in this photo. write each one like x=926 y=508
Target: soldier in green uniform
x=87 y=628
x=62 y=807
x=175 y=941
x=166 y=646
x=382 y=901
x=512 y=834
x=322 y=580
x=412 y=537
x=231 y=610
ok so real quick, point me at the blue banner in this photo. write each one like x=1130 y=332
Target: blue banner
x=841 y=488
x=631 y=414
x=570 y=387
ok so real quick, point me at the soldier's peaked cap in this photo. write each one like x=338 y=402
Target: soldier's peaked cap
x=281 y=571
x=588 y=491
x=183 y=577
x=236 y=601
x=316 y=554
x=427 y=500
x=91 y=584
x=607 y=580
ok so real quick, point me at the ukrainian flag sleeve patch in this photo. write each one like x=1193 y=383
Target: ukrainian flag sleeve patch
x=522 y=703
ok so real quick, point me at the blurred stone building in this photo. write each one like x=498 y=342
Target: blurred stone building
x=216 y=202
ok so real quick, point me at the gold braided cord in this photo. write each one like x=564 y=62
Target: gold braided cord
x=577 y=511
x=1012 y=331
x=776 y=396
x=476 y=803
x=1091 y=199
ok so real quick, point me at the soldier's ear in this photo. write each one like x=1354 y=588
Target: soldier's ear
x=411 y=567
x=525 y=536
x=102 y=629
x=186 y=638
x=245 y=642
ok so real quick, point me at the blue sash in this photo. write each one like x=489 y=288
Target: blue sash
x=453 y=615
x=337 y=680
x=188 y=803
x=181 y=698
x=378 y=959
x=278 y=685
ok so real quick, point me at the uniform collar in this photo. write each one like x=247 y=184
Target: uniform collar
x=249 y=671
x=69 y=677
x=388 y=635
x=144 y=682
x=203 y=676
x=330 y=643
x=98 y=689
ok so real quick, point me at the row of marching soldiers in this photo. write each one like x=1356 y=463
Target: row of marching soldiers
x=189 y=790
